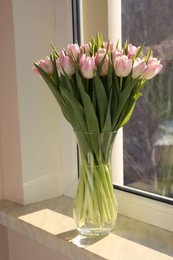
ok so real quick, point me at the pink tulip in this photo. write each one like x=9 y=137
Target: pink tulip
x=110 y=45
x=45 y=65
x=87 y=66
x=138 y=68
x=99 y=56
x=122 y=66
x=117 y=53
x=85 y=48
x=152 y=68
x=73 y=48
x=65 y=64
x=132 y=50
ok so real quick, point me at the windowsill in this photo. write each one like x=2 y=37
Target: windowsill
x=131 y=239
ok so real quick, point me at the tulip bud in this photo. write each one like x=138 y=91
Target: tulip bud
x=45 y=65
x=138 y=68
x=132 y=50
x=111 y=46
x=117 y=53
x=73 y=48
x=85 y=48
x=122 y=66
x=65 y=64
x=99 y=56
x=87 y=66
x=152 y=69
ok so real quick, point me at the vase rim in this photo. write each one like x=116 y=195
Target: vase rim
x=95 y=133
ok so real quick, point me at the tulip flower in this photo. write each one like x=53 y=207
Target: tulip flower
x=65 y=64
x=87 y=66
x=138 y=68
x=152 y=69
x=73 y=48
x=122 y=66
x=132 y=50
x=110 y=45
x=100 y=55
x=117 y=53
x=44 y=64
x=85 y=48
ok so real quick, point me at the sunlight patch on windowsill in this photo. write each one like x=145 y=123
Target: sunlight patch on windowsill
x=50 y=221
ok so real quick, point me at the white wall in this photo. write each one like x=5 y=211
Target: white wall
x=34 y=29
x=30 y=120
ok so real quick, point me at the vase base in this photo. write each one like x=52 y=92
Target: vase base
x=93 y=232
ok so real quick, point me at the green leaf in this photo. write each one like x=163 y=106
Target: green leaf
x=139 y=52
x=114 y=99
x=93 y=44
x=55 y=75
x=56 y=54
x=117 y=44
x=148 y=55
x=76 y=107
x=100 y=65
x=116 y=83
x=128 y=110
x=128 y=80
x=107 y=129
x=108 y=125
x=137 y=96
x=126 y=47
x=56 y=92
x=65 y=82
x=53 y=87
x=124 y=95
x=99 y=41
x=93 y=98
x=128 y=116
x=65 y=112
x=102 y=102
x=139 y=86
x=89 y=112
x=123 y=98
x=90 y=117
x=74 y=121
x=109 y=76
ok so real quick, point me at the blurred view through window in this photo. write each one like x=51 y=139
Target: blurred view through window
x=148 y=137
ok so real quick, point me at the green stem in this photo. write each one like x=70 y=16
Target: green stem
x=95 y=200
x=121 y=83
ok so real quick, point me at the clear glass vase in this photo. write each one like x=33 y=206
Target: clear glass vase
x=95 y=206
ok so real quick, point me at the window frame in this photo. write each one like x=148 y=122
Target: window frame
x=143 y=206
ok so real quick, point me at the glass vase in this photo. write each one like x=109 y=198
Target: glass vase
x=95 y=206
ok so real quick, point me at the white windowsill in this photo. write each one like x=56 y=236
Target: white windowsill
x=131 y=239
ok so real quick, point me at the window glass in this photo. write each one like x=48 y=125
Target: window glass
x=148 y=137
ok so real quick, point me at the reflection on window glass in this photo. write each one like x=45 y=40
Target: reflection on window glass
x=148 y=137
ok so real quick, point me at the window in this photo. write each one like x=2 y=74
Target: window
x=148 y=138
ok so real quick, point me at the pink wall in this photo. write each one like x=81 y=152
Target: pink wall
x=10 y=154
x=4 y=253
x=1 y=176
x=14 y=246
x=23 y=248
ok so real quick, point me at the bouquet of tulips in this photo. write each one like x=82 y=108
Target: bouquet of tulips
x=96 y=86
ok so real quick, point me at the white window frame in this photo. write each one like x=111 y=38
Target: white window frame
x=138 y=207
